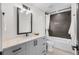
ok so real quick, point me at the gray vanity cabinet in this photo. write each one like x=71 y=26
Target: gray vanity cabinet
x=34 y=47
x=15 y=50
x=30 y=48
x=42 y=45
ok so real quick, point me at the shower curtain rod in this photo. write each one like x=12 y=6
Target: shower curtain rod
x=59 y=11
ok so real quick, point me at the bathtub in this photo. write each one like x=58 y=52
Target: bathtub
x=60 y=43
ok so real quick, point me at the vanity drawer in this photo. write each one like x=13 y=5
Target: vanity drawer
x=15 y=50
x=41 y=41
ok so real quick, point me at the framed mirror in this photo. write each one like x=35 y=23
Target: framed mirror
x=24 y=22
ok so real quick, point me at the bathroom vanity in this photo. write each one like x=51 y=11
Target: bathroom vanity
x=35 y=45
x=14 y=42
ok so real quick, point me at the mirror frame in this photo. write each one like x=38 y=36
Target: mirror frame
x=18 y=24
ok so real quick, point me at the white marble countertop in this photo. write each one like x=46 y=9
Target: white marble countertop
x=18 y=40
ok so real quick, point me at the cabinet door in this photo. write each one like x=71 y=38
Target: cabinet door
x=36 y=47
x=42 y=45
x=31 y=47
x=15 y=50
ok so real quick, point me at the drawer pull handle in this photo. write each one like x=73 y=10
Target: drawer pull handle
x=43 y=43
x=43 y=38
x=16 y=50
x=35 y=43
x=43 y=51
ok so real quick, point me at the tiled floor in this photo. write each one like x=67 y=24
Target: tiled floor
x=56 y=51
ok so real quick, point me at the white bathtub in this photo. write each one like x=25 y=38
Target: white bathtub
x=61 y=43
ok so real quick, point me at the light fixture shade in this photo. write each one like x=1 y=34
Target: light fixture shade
x=21 y=11
x=27 y=12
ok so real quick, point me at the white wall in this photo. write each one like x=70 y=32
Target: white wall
x=38 y=21
x=0 y=28
x=10 y=24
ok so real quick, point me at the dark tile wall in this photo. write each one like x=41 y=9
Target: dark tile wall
x=60 y=24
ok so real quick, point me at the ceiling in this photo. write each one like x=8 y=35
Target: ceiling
x=50 y=7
